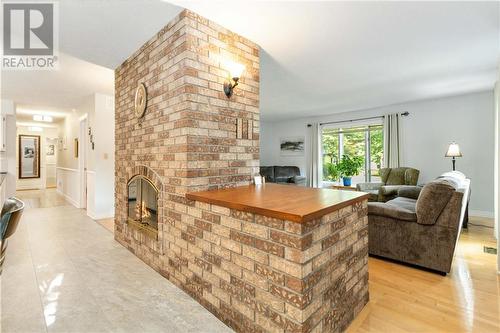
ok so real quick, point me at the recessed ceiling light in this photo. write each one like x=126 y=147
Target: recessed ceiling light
x=39 y=117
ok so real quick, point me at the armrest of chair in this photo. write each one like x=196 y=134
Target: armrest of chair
x=368 y=186
x=391 y=211
x=411 y=192
x=389 y=189
x=298 y=180
x=388 y=192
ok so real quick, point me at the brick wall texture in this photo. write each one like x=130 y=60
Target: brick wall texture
x=255 y=273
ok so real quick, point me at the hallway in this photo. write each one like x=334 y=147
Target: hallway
x=65 y=273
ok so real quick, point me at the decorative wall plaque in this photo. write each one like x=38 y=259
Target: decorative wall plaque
x=140 y=100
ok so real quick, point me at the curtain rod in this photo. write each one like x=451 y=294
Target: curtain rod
x=404 y=114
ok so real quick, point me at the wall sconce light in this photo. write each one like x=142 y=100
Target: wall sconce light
x=235 y=71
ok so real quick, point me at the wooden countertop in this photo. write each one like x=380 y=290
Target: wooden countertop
x=286 y=202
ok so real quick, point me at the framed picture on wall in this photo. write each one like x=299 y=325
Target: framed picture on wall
x=75 y=147
x=292 y=146
x=50 y=150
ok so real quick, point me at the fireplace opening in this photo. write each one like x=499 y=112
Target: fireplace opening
x=143 y=202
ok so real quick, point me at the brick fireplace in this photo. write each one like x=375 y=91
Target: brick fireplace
x=192 y=137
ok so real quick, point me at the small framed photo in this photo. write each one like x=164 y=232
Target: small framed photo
x=257 y=180
x=50 y=150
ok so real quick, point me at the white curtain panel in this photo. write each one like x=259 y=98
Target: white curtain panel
x=313 y=167
x=392 y=140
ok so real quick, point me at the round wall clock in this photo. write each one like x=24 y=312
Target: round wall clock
x=140 y=100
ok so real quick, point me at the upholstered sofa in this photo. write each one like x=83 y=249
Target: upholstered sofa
x=422 y=225
x=392 y=180
x=283 y=175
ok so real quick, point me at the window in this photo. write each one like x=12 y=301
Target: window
x=364 y=141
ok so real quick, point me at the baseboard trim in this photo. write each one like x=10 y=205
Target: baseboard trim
x=68 y=198
x=482 y=213
x=488 y=218
x=96 y=217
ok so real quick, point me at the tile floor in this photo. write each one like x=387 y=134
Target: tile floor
x=65 y=273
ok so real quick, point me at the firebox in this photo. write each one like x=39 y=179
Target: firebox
x=143 y=202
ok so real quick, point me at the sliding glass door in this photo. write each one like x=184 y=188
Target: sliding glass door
x=365 y=141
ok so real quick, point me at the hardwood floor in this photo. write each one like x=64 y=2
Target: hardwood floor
x=108 y=224
x=405 y=299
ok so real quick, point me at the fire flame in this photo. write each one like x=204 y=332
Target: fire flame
x=141 y=210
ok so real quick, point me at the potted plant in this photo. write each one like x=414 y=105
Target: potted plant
x=348 y=167
x=331 y=171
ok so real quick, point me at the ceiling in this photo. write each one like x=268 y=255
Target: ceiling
x=63 y=88
x=316 y=58
x=25 y=113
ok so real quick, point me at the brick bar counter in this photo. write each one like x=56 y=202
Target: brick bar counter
x=281 y=258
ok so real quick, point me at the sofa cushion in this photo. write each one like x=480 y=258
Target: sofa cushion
x=406 y=203
x=399 y=176
x=394 y=176
x=286 y=171
x=268 y=173
x=284 y=174
x=392 y=211
x=432 y=200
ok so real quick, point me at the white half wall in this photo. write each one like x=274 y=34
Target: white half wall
x=427 y=131
x=68 y=184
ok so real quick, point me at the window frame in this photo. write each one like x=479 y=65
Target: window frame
x=346 y=126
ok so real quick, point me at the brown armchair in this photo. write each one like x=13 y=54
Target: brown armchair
x=392 y=180
x=421 y=229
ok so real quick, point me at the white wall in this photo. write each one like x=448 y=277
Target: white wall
x=51 y=161
x=70 y=131
x=103 y=163
x=431 y=126
x=8 y=160
x=68 y=175
x=99 y=110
